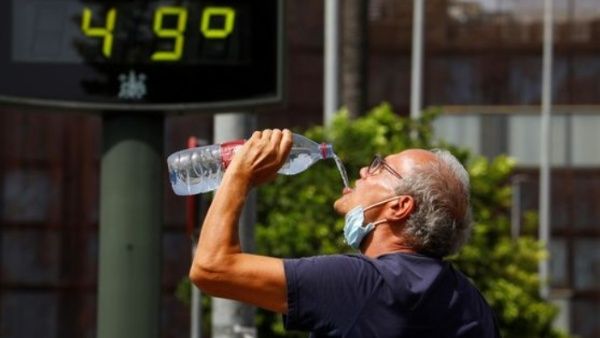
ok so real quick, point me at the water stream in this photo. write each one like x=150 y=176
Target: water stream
x=342 y=170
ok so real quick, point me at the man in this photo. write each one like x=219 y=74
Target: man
x=405 y=213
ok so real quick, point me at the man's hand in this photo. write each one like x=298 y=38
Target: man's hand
x=262 y=156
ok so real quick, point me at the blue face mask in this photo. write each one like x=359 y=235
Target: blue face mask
x=354 y=230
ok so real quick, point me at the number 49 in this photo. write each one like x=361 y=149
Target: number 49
x=176 y=33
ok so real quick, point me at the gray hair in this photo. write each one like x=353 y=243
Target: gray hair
x=441 y=222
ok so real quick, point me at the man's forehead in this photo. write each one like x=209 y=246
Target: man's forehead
x=404 y=161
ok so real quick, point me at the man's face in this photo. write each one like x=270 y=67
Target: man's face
x=372 y=186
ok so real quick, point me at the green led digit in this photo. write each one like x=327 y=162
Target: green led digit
x=174 y=33
x=217 y=33
x=106 y=32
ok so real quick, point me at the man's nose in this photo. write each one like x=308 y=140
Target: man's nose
x=363 y=172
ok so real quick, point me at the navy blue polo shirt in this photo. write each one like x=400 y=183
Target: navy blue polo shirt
x=394 y=295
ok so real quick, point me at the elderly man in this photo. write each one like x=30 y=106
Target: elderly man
x=405 y=213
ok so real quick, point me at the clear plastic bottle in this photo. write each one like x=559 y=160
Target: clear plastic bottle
x=197 y=170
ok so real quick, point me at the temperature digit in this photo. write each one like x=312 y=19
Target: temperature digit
x=174 y=33
x=106 y=32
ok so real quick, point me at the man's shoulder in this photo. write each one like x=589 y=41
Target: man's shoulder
x=342 y=269
x=334 y=258
x=336 y=261
x=388 y=263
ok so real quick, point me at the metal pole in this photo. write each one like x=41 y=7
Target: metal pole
x=545 y=143
x=417 y=58
x=131 y=217
x=331 y=69
x=515 y=211
x=196 y=313
x=231 y=318
x=192 y=221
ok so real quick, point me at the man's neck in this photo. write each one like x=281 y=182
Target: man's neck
x=384 y=241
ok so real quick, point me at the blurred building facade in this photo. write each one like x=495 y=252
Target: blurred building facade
x=482 y=66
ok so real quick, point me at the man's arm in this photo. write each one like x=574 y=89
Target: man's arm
x=220 y=268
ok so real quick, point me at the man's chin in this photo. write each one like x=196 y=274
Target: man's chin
x=340 y=206
x=342 y=203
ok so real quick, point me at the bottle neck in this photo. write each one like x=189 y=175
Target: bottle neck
x=326 y=150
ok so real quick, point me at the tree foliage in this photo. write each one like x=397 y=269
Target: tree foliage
x=296 y=218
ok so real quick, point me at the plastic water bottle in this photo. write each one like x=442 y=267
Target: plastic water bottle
x=197 y=170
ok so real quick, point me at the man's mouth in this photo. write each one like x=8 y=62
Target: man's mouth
x=346 y=190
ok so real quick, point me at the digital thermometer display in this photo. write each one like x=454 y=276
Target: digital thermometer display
x=138 y=53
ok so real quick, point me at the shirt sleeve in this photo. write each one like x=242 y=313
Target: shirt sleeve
x=326 y=293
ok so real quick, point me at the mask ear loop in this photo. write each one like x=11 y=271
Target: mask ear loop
x=380 y=202
x=376 y=223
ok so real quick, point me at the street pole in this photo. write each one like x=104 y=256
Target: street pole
x=131 y=217
x=515 y=210
x=331 y=62
x=417 y=58
x=545 y=143
x=231 y=318
x=193 y=218
x=196 y=308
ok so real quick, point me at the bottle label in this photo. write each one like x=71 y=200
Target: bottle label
x=228 y=150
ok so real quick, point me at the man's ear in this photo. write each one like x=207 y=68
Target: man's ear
x=400 y=208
